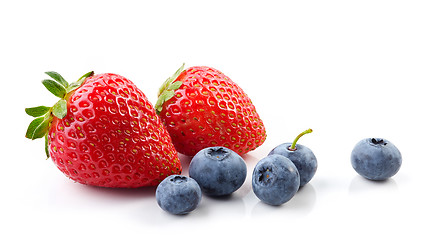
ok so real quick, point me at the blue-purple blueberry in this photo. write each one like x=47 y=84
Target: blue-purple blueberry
x=219 y=171
x=275 y=179
x=302 y=157
x=178 y=194
x=376 y=158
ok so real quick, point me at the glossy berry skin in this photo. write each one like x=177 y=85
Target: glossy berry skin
x=218 y=170
x=209 y=109
x=275 y=179
x=376 y=159
x=178 y=194
x=303 y=158
x=111 y=136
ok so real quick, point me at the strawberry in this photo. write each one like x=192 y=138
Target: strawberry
x=201 y=107
x=104 y=132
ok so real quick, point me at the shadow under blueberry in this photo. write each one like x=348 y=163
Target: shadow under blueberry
x=360 y=184
x=301 y=204
x=231 y=204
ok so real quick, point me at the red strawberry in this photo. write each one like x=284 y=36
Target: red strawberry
x=202 y=107
x=104 y=132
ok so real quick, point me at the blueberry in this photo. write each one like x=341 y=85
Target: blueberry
x=302 y=157
x=178 y=194
x=219 y=171
x=275 y=179
x=376 y=158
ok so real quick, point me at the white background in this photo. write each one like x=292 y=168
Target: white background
x=347 y=69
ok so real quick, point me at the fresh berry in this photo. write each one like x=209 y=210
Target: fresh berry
x=104 y=132
x=178 y=194
x=376 y=158
x=302 y=157
x=201 y=107
x=275 y=179
x=218 y=170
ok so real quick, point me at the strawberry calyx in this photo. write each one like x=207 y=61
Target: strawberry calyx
x=166 y=91
x=43 y=115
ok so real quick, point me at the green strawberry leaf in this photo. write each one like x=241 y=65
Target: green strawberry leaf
x=57 y=77
x=47 y=146
x=38 y=128
x=42 y=129
x=176 y=85
x=176 y=74
x=165 y=96
x=168 y=94
x=59 y=110
x=159 y=103
x=166 y=91
x=32 y=127
x=75 y=85
x=55 y=88
x=88 y=74
x=37 y=111
x=168 y=81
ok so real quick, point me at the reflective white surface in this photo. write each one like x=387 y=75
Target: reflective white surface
x=347 y=70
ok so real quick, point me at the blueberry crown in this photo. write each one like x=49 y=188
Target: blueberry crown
x=378 y=141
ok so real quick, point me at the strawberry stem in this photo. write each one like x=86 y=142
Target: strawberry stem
x=293 y=145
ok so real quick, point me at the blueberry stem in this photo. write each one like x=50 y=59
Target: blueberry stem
x=293 y=145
